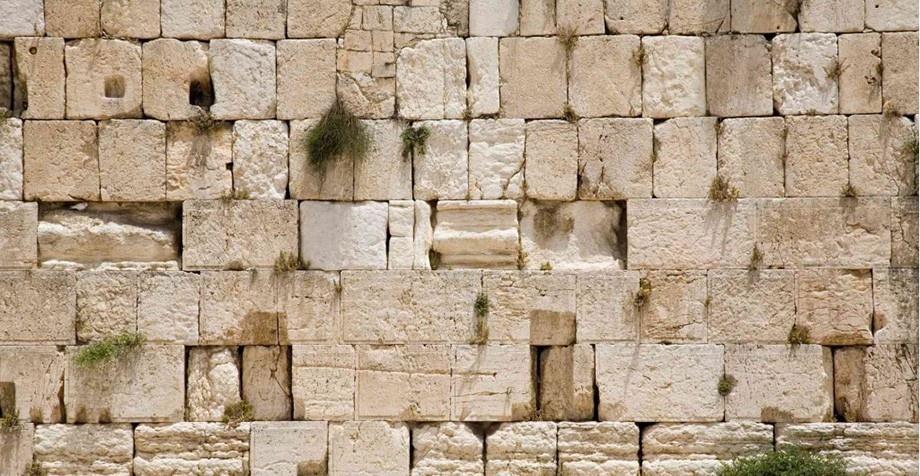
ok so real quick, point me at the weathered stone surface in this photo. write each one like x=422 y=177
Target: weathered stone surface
x=106 y=304
x=755 y=171
x=738 y=76
x=482 y=69
x=674 y=76
x=213 y=382
x=442 y=171
x=132 y=160
x=23 y=18
x=383 y=174
x=491 y=18
x=423 y=236
x=16 y=448
x=698 y=17
x=72 y=18
x=48 y=296
x=895 y=305
x=309 y=306
x=336 y=182
x=431 y=79
x=353 y=235
x=581 y=235
x=243 y=72
x=131 y=18
x=167 y=307
x=11 y=159
x=551 y=160
x=883 y=448
x=491 y=383
x=876 y=383
x=476 y=234
x=208 y=448
x=566 y=383
x=702 y=448
x=238 y=308
x=496 y=158
x=365 y=95
x=176 y=77
x=198 y=161
x=39 y=82
x=61 y=161
x=615 y=158
x=264 y=19
x=403 y=382
x=315 y=19
x=636 y=16
x=835 y=306
x=606 y=307
x=521 y=303
x=885 y=15
x=904 y=232
x=146 y=385
x=753 y=16
x=816 y=155
x=675 y=311
x=598 y=448
x=524 y=62
x=449 y=447
x=804 y=81
x=83 y=449
x=368 y=447
x=522 y=448
x=801 y=383
x=881 y=159
x=749 y=306
x=659 y=382
x=605 y=80
x=260 y=159
x=18 y=224
x=323 y=382
x=685 y=157
x=306 y=77
x=418 y=18
x=861 y=80
x=288 y=448
x=584 y=17
x=37 y=375
x=832 y=15
x=199 y=19
x=103 y=79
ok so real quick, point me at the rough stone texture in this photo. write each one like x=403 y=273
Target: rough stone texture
x=884 y=15
x=37 y=375
x=702 y=448
x=61 y=161
x=317 y=19
x=580 y=235
x=414 y=378
x=491 y=18
x=832 y=15
x=132 y=160
x=288 y=448
x=753 y=16
x=675 y=311
x=755 y=171
x=353 y=235
x=674 y=76
x=23 y=18
x=636 y=16
x=530 y=307
x=876 y=383
x=16 y=448
x=884 y=448
x=213 y=382
x=835 y=306
x=551 y=160
x=103 y=79
x=39 y=84
x=585 y=17
x=10 y=159
x=131 y=18
x=895 y=307
x=566 y=383
x=524 y=62
x=18 y=224
x=263 y=19
x=197 y=160
x=443 y=448
x=482 y=69
x=48 y=296
x=306 y=77
x=904 y=232
x=383 y=174
x=605 y=80
x=800 y=389
x=368 y=447
x=309 y=307
x=243 y=72
x=496 y=158
x=615 y=159
x=423 y=236
x=491 y=383
x=199 y=19
x=336 y=182
x=881 y=160
x=323 y=382
x=260 y=159
x=476 y=234
x=606 y=307
x=803 y=78
x=72 y=18
x=431 y=80
x=685 y=157
x=861 y=80
x=442 y=171
x=167 y=307
x=899 y=58
x=538 y=17
x=171 y=68
x=522 y=448
x=698 y=17
x=751 y=307
x=738 y=76
x=106 y=304
x=238 y=308
x=83 y=449
x=183 y=448
x=598 y=448
x=365 y=95
x=816 y=155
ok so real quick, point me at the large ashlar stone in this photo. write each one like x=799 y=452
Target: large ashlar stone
x=832 y=15
x=598 y=448
x=881 y=448
x=198 y=161
x=106 y=304
x=605 y=79
x=403 y=382
x=586 y=17
x=816 y=155
x=306 y=77
x=216 y=448
x=167 y=307
x=615 y=158
x=39 y=81
x=63 y=450
x=243 y=74
x=861 y=80
x=288 y=448
x=606 y=307
x=904 y=240
x=60 y=161
x=238 y=308
x=692 y=17
x=263 y=19
x=323 y=382
x=383 y=174
x=835 y=306
x=881 y=159
x=368 y=447
x=886 y=15
x=118 y=235
x=522 y=448
x=73 y=18
x=533 y=307
x=496 y=158
x=493 y=18
x=131 y=18
x=636 y=16
x=751 y=306
x=230 y=234
x=492 y=383
x=476 y=234
x=780 y=383
x=566 y=383
x=738 y=76
x=49 y=297
x=482 y=69
x=431 y=79
x=18 y=242
x=37 y=375
x=685 y=157
x=198 y=19
x=581 y=235
x=702 y=448
x=22 y=18
x=659 y=382
x=132 y=160
x=317 y=19
x=260 y=159
x=894 y=296
x=177 y=82
x=309 y=307
x=755 y=171
x=103 y=79
x=524 y=62
x=423 y=236
x=876 y=383
x=352 y=235
x=213 y=382
x=899 y=58
x=365 y=95
x=551 y=160
x=674 y=76
x=442 y=448
x=804 y=78
x=335 y=182
x=675 y=311
x=147 y=385
x=16 y=448
x=441 y=172
x=754 y=16
x=11 y=159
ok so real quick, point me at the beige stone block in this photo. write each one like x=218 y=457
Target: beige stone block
x=692 y=17
x=219 y=449
x=585 y=17
x=482 y=69
x=11 y=159
x=606 y=307
x=131 y=18
x=16 y=448
x=835 y=306
x=876 y=383
x=106 y=304
x=861 y=74
x=198 y=19
x=352 y=235
x=309 y=306
x=213 y=382
x=60 y=160
x=476 y=234
x=673 y=76
x=103 y=79
x=598 y=448
x=23 y=18
x=881 y=159
x=260 y=159
x=685 y=157
x=755 y=171
x=753 y=16
x=431 y=79
x=522 y=448
x=238 y=308
x=605 y=79
x=83 y=449
x=581 y=235
x=383 y=174
x=747 y=306
x=551 y=160
x=243 y=74
x=738 y=76
x=367 y=96
x=266 y=382
x=449 y=447
x=336 y=182
x=866 y=447
x=816 y=156
x=368 y=447
x=132 y=160
x=167 y=307
x=262 y=19
x=442 y=172
x=832 y=15
x=701 y=448
x=423 y=236
x=804 y=65
x=37 y=376
x=317 y=19
x=904 y=232
x=524 y=62
x=418 y=19
x=177 y=82
x=39 y=81
x=523 y=302
x=492 y=383
x=197 y=160
x=620 y=145
x=566 y=383
x=288 y=448
x=491 y=18
x=18 y=241
x=323 y=382
x=73 y=18
x=496 y=158
x=887 y=15
x=538 y=17
x=48 y=296
x=403 y=382
x=894 y=297
x=306 y=78
x=675 y=311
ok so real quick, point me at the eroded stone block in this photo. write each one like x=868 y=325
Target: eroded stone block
x=131 y=18
x=365 y=95
x=243 y=74
x=177 y=82
x=198 y=19
x=835 y=306
x=18 y=243
x=861 y=79
x=441 y=448
x=886 y=15
x=482 y=69
x=605 y=79
x=11 y=159
x=197 y=160
x=585 y=17
x=804 y=78
x=598 y=448
x=636 y=16
x=615 y=158
x=73 y=18
x=582 y=235
x=566 y=382
x=167 y=307
x=323 y=382
x=606 y=309
x=894 y=296
x=881 y=159
x=476 y=234
x=103 y=79
x=37 y=375
x=685 y=157
x=106 y=304
x=753 y=16
x=213 y=382
x=491 y=383
x=61 y=161
x=698 y=17
x=673 y=76
x=496 y=158
x=238 y=308
x=738 y=76
x=132 y=160
x=353 y=235
x=755 y=171
x=431 y=79
x=404 y=382
x=832 y=15
x=442 y=171
x=368 y=447
x=218 y=448
x=675 y=311
x=751 y=306
x=816 y=155
x=876 y=383
x=873 y=447
x=83 y=449
x=383 y=174
x=288 y=448
x=48 y=296
x=16 y=448
x=309 y=303
x=335 y=182
x=306 y=77
x=522 y=448
x=23 y=18
x=260 y=159
x=524 y=302
x=263 y=19
x=524 y=62
x=551 y=160
x=267 y=382
x=702 y=448
x=904 y=232
x=317 y=19
x=39 y=81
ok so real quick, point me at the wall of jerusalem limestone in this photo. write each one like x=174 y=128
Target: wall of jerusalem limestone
x=575 y=237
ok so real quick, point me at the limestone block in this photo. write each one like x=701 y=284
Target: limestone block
x=39 y=82
x=701 y=448
x=824 y=232
x=16 y=448
x=60 y=161
x=368 y=447
x=800 y=383
x=887 y=15
x=418 y=19
x=876 y=383
x=317 y=19
x=441 y=172
x=832 y=15
x=750 y=307
x=738 y=77
x=167 y=307
x=598 y=448
x=323 y=382
x=659 y=382
x=83 y=449
x=605 y=80
x=678 y=234
x=73 y=18
x=288 y=448
x=336 y=182
x=881 y=161
x=384 y=174
x=623 y=145
x=524 y=62
x=685 y=157
x=606 y=307
x=367 y=96
x=213 y=382
x=18 y=226
x=216 y=448
x=899 y=58
x=23 y=18
x=260 y=159
x=861 y=79
x=585 y=17
x=352 y=235
x=866 y=447
x=482 y=69
x=198 y=161
x=530 y=307
x=131 y=18
x=835 y=306
x=11 y=159
x=267 y=382
x=636 y=16
x=804 y=78
x=551 y=160
x=476 y=234
x=674 y=76
x=306 y=77
x=675 y=311
x=816 y=155
x=703 y=17
x=403 y=382
x=401 y=249
x=522 y=448
x=147 y=385
x=109 y=235
x=198 y=19
x=132 y=160
x=496 y=158
x=895 y=305
x=106 y=304
x=491 y=18
x=243 y=74
x=48 y=296
x=580 y=235
x=753 y=16
x=309 y=307
x=263 y=19
x=491 y=383
x=238 y=308
x=103 y=79
x=37 y=375
x=449 y=447
x=755 y=171
x=566 y=383
x=431 y=79
x=177 y=82
x=904 y=232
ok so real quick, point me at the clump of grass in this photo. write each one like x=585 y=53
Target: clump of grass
x=638 y=56
x=910 y=150
x=798 y=335
x=890 y=111
x=756 y=259
x=644 y=292
x=726 y=385
x=721 y=190
x=5 y=113
x=848 y=191
x=203 y=122
x=286 y=262
x=109 y=348
x=547 y=266
x=35 y=469
x=568 y=37
x=236 y=265
x=337 y=134
x=414 y=141
x=569 y=114
x=238 y=194
x=790 y=461
x=835 y=70
x=10 y=420
x=236 y=413
x=481 y=310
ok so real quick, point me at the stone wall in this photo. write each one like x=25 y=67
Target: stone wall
x=642 y=236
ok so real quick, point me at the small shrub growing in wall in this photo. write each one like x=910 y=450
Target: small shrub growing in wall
x=721 y=190
x=756 y=259
x=414 y=141
x=792 y=461
x=286 y=262
x=108 y=349
x=481 y=311
x=35 y=469
x=798 y=335
x=337 y=134
x=848 y=191
x=644 y=292
x=236 y=413
x=10 y=420
x=726 y=385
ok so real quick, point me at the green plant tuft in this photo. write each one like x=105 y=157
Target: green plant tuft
x=721 y=190
x=481 y=309
x=35 y=469
x=481 y=306
x=644 y=292
x=203 y=122
x=790 y=461
x=236 y=413
x=726 y=385
x=848 y=191
x=756 y=259
x=337 y=134
x=286 y=262
x=569 y=114
x=109 y=348
x=10 y=420
x=414 y=141
x=546 y=266
x=798 y=335
x=568 y=37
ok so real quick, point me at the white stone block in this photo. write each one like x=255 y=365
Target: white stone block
x=674 y=76
x=491 y=383
x=623 y=145
x=260 y=159
x=288 y=448
x=243 y=74
x=685 y=157
x=496 y=158
x=353 y=235
x=103 y=79
x=491 y=18
x=306 y=77
x=524 y=62
x=431 y=79
x=198 y=19
x=482 y=68
x=368 y=447
x=804 y=81
x=442 y=171
x=476 y=234
x=323 y=382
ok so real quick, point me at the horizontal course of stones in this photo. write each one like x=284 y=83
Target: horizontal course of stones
x=154 y=172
